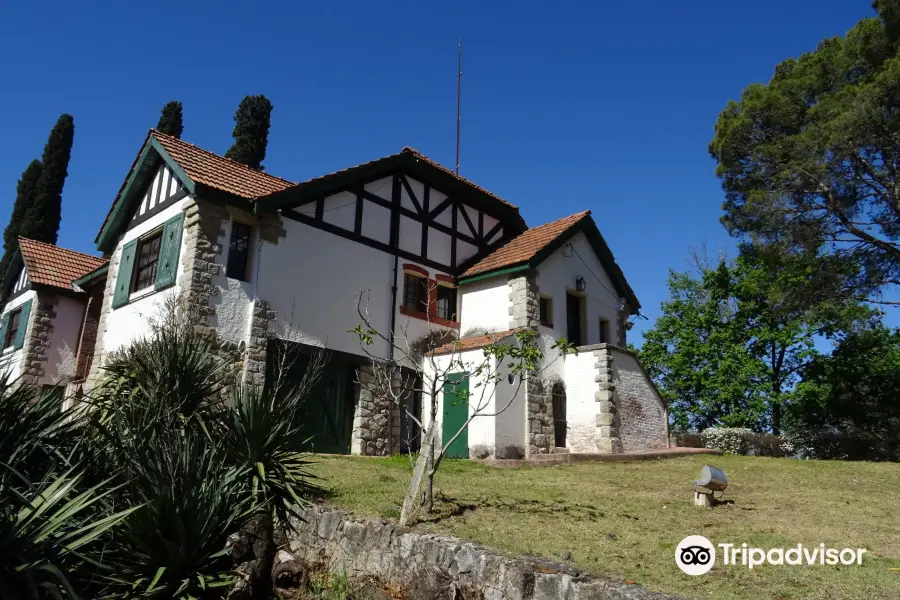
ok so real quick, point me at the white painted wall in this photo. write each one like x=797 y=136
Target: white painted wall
x=130 y=322
x=60 y=365
x=557 y=274
x=313 y=280
x=482 y=429
x=510 y=425
x=11 y=359
x=581 y=405
x=484 y=305
x=232 y=306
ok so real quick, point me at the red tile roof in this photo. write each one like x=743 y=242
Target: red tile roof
x=58 y=267
x=473 y=343
x=523 y=247
x=219 y=172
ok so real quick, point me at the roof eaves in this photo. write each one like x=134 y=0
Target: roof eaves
x=136 y=178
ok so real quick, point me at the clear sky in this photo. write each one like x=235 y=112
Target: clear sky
x=566 y=106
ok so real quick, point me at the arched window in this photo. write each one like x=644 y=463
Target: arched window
x=558 y=395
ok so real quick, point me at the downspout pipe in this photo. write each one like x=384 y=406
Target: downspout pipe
x=393 y=308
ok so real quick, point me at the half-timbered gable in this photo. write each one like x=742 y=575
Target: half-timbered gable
x=403 y=204
x=161 y=192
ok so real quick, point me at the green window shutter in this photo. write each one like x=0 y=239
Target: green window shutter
x=123 y=278
x=4 y=323
x=23 y=324
x=169 y=251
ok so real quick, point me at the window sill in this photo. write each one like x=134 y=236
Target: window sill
x=9 y=350
x=421 y=315
x=134 y=296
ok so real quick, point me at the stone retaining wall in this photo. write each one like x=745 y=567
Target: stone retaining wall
x=441 y=566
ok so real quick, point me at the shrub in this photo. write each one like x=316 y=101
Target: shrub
x=746 y=442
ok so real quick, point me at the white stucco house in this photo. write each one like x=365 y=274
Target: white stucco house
x=258 y=258
x=52 y=300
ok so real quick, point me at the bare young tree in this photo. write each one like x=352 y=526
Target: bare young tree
x=412 y=367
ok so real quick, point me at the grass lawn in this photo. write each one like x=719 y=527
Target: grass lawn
x=623 y=520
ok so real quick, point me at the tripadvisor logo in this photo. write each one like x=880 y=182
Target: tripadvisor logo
x=696 y=555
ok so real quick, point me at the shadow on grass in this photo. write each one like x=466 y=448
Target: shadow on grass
x=447 y=507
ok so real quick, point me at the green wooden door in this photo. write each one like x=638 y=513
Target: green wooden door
x=328 y=410
x=456 y=411
x=330 y=415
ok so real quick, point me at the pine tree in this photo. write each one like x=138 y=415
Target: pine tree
x=170 y=121
x=43 y=216
x=251 y=132
x=25 y=191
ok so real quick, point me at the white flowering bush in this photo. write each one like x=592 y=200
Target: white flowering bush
x=733 y=440
x=746 y=442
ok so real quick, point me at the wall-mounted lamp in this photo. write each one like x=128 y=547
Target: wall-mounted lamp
x=580 y=284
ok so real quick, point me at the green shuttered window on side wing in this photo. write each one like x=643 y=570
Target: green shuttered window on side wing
x=169 y=252
x=23 y=325
x=123 y=277
x=4 y=324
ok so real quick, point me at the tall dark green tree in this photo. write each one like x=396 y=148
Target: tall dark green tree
x=846 y=406
x=170 y=121
x=25 y=192
x=731 y=344
x=251 y=132
x=42 y=218
x=810 y=162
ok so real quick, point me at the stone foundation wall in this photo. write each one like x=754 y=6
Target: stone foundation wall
x=435 y=566
x=39 y=336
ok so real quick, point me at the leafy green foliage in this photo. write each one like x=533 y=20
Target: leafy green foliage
x=170 y=121
x=731 y=344
x=251 y=132
x=43 y=216
x=846 y=406
x=809 y=160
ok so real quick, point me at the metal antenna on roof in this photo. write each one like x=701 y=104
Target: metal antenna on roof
x=458 y=98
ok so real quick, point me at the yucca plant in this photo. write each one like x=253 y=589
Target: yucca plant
x=262 y=431
x=50 y=533
x=174 y=544
x=35 y=432
x=51 y=521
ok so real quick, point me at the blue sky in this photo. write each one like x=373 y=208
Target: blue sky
x=566 y=106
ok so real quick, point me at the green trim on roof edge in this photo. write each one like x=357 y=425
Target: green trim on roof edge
x=489 y=274
x=95 y=274
x=135 y=179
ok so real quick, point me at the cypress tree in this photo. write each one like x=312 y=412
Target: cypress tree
x=251 y=132
x=25 y=191
x=170 y=121
x=43 y=216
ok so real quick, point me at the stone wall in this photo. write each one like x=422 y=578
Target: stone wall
x=608 y=418
x=644 y=418
x=631 y=415
x=523 y=300
x=540 y=427
x=38 y=336
x=376 y=422
x=435 y=566
x=524 y=311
